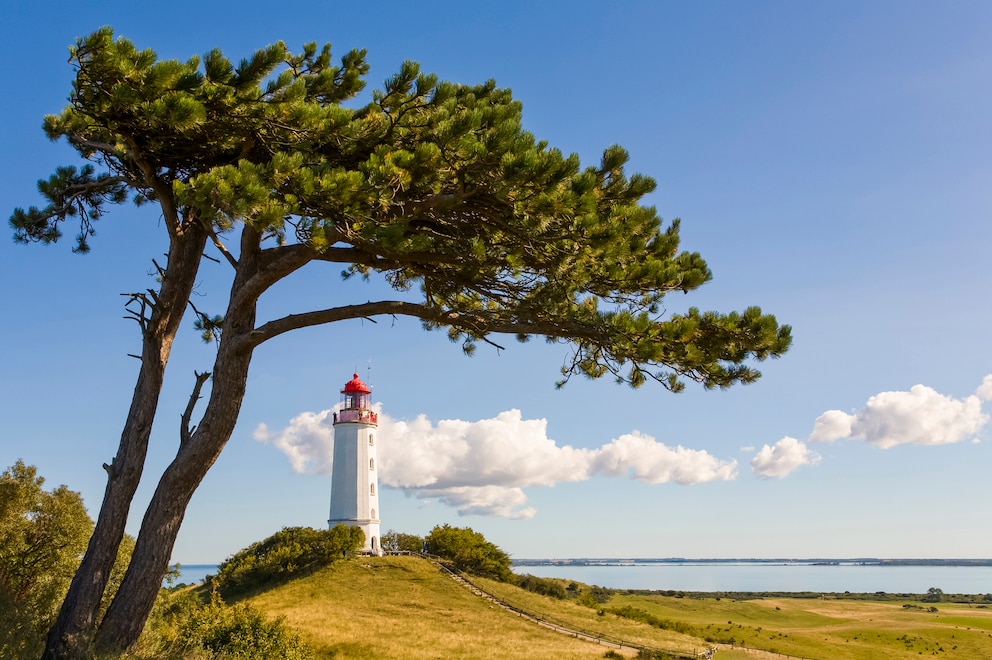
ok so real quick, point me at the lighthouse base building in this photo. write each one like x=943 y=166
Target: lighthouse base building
x=354 y=477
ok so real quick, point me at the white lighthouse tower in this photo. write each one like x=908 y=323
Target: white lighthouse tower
x=354 y=478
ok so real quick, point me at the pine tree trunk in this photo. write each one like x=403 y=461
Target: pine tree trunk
x=126 y=617
x=70 y=635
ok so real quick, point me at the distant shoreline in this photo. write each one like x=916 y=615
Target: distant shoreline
x=796 y=576
x=645 y=561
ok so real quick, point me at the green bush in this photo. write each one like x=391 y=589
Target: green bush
x=636 y=614
x=291 y=552
x=43 y=535
x=648 y=654
x=184 y=627
x=544 y=586
x=591 y=596
x=400 y=542
x=469 y=551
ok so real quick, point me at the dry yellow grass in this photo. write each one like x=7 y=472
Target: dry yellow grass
x=580 y=617
x=403 y=607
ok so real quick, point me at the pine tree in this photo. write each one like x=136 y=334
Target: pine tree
x=482 y=230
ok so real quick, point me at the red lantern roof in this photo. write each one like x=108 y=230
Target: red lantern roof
x=356 y=386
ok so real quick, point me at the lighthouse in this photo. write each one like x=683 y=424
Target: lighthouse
x=354 y=478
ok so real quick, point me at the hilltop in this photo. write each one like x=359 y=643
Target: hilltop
x=405 y=607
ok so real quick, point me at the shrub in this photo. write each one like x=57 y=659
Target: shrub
x=43 y=534
x=592 y=596
x=185 y=627
x=288 y=553
x=469 y=551
x=636 y=614
x=400 y=542
x=648 y=654
x=543 y=586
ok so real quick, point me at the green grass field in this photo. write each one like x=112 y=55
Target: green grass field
x=404 y=607
x=834 y=629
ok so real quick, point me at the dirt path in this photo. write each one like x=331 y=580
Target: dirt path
x=758 y=654
x=541 y=622
x=571 y=632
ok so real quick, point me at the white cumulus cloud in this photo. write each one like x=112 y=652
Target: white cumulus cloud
x=832 y=425
x=786 y=456
x=482 y=467
x=505 y=450
x=921 y=416
x=984 y=391
x=308 y=442
x=497 y=501
x=643 y=458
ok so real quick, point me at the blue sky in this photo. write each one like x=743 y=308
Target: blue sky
x=831 y=161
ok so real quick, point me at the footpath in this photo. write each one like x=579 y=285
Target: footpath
x=565 y=629
x=600 y=638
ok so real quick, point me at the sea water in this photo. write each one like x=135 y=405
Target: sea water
x=746 y=576
x=786 y=576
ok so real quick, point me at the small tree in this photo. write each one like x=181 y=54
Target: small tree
x=290 y=552
x=469 y=551
x=434 y=187
x=933 y=595
x=393 y=541
x=42 y=537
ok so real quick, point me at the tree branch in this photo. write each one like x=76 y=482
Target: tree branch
x=215 y=239
x=185 y=430
x=104 y=147
x=476 y=325
x=352 y=255
x=141 y=315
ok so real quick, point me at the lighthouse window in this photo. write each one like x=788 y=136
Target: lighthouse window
x=371 y=440
x=371 y=489
x=371 y=463
x=373 y=518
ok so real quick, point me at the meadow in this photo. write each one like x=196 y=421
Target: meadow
x=405 y=607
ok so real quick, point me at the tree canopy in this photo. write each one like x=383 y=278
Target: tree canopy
x=469 y=551
x=393 y=541
x=435 y=187
x=43 y=534
x=290 y=552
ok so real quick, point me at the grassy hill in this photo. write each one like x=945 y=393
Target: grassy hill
x=404 y=607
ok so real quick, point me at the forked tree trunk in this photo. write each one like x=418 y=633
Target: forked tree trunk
x=124 y=621
x=135 y=598
x=70 y=635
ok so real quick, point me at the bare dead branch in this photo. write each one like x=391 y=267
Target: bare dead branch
x=142 y=314
x=185 y=430
x=105 y=147
x=215 y=239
